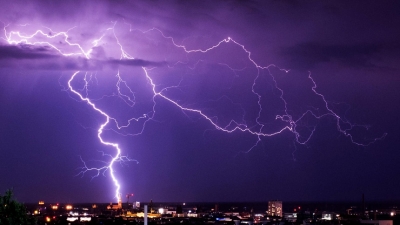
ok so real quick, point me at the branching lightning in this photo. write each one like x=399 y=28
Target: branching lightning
x=71 y=49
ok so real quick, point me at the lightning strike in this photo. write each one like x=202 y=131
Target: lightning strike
x=15 y=38
x=71 y=49
x=117 y=156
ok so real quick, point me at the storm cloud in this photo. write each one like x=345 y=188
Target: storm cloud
x=306 y=56
x=347 y=46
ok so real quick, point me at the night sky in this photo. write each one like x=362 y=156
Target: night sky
x=350 y=49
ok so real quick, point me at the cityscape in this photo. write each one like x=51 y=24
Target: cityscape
x=271 y=212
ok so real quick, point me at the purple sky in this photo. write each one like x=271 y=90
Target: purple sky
x=350 y=49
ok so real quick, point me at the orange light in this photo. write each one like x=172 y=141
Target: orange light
x=48 y=219
x=54 y=207
x=41 y=202
x=68 y=207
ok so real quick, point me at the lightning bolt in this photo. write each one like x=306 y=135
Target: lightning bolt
x=71 y=49
x=287 y=118
x=99 y=132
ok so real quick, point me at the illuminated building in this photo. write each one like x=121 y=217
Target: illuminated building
x=290 y=217
x=137 y=205
x=41 y=208
x=68 y=207
x=115 y=206
x=274 y=208
x=327 y=216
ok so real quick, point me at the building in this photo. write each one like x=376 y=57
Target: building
x=275 y=208
x=290 y=217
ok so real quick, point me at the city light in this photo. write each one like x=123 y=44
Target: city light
x=85 y=219
x=72 y=219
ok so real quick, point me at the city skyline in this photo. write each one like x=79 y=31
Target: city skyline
x=231 y=101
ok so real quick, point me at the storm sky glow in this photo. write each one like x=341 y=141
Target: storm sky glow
x=195 y=101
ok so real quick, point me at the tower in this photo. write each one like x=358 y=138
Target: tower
x=119 y=201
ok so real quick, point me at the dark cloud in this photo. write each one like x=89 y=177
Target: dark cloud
x=56 y=63
x=26 y=52
x=38 y=57
x=305 y=56
x=135 y=62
